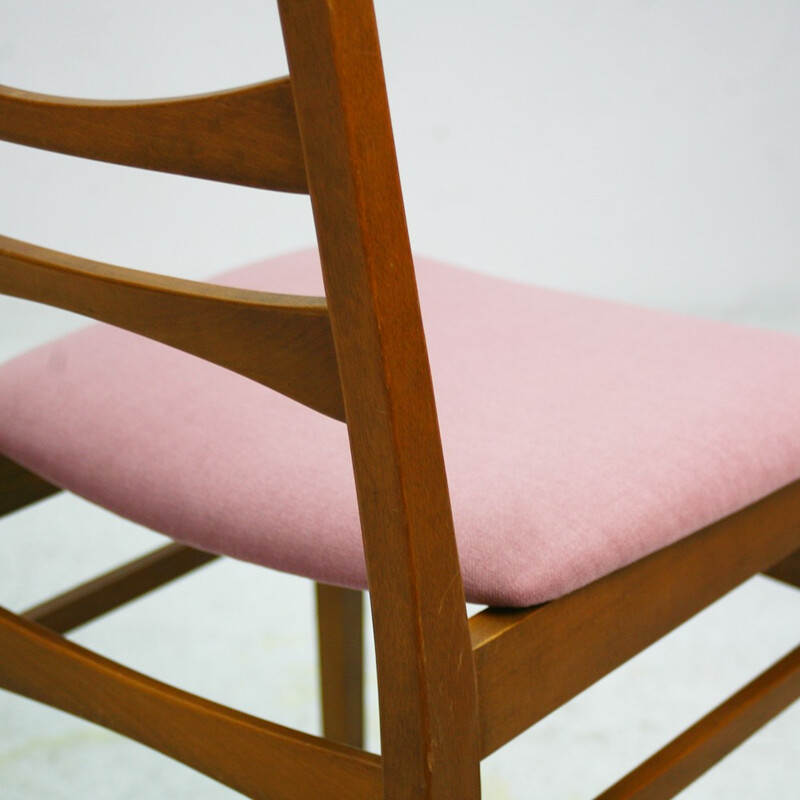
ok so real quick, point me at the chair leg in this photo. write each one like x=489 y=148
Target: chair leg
x=341 y=654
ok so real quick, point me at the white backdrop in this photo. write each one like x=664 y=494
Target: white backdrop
x=640 y=150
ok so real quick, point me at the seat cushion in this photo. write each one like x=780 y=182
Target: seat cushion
x=579 y=435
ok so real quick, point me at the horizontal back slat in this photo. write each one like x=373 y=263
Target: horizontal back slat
x=247 y=136
x=281 y=341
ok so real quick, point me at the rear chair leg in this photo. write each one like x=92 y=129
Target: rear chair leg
x=341 y=654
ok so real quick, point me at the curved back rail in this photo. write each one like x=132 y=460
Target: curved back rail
x=280 y=341
x=247 y=136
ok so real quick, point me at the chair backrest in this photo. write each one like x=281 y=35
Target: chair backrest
x=358 y=355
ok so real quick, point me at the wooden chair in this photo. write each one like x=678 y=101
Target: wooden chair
x=452 y=689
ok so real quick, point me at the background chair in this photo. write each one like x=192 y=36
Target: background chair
x=449 y=782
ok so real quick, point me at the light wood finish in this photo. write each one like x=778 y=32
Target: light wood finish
x=686 y=758
x=787 y=570
x=246 y=136
x=531 y=661
x=281 y=341
x=117 y=587
x=19 y=488
x=259 y=759
x=428 y=707
x=340 y=617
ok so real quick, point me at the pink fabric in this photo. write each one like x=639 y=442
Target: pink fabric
x=579 y=435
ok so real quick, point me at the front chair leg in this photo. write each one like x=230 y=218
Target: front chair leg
x=341 y=655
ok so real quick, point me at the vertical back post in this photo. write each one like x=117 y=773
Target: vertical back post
x=426 y=677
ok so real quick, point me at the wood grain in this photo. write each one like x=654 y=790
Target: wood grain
x=19 y=488
x=696 y=750
x=340 y=625
x=280 y=341
x=259 y=759
x=451 y=691
x=429 y=724
x=246 y=136
x=113 y=589
x=531 y=661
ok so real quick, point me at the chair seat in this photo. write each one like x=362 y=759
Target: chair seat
x=579 y=435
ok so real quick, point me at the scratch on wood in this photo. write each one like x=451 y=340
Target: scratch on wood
x=446 y=592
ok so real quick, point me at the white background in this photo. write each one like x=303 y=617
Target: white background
x=645 y=151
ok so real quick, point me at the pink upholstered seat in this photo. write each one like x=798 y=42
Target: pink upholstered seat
x=579 y=435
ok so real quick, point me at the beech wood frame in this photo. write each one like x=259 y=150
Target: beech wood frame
x=451 y=690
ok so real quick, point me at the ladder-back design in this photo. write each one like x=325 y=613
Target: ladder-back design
x=452 y=690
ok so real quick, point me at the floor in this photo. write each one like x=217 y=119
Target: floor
x=608 y=137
